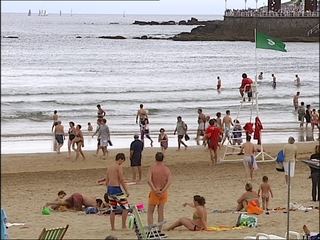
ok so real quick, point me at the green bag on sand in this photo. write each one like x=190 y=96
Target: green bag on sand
x=247 y=221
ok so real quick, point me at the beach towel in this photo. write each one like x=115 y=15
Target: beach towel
x=253 y=208
x=223 y=228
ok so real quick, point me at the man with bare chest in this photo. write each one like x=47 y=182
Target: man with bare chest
x=159 y=180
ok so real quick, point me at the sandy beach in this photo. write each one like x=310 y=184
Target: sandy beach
x=30 y=180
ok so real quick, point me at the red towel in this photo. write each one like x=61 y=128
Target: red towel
x=257 y=130
x=248 y=128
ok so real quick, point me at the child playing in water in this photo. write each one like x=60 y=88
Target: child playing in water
x=265 y=189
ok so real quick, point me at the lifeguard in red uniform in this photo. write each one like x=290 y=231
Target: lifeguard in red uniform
x=246 y=87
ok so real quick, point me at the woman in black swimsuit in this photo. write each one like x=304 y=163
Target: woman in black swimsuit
x=71 y=132
x=79 y=140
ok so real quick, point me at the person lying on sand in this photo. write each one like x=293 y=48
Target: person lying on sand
x=75 y=201
x=199 y=218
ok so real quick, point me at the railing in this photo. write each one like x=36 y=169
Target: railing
x=270 y=14
x=315 y=29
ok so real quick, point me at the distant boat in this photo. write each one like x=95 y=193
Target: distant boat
x=71 y=13
x=29 y=13
x=124 y=14
x=45 y=13
x=60 y=13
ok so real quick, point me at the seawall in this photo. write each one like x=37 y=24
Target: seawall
x=290 y=29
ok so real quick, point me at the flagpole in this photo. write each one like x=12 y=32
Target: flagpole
x=256 y=86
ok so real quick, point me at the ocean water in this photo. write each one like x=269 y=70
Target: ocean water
x=47 y=68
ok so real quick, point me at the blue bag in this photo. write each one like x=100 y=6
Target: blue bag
x=280 y=157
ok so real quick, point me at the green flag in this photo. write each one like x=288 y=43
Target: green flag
x=266 y=42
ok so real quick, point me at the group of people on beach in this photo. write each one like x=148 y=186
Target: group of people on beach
x=159 y=180
x=306 y=114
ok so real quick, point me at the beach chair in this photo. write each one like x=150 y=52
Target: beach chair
x=53 y=233
x=145 y=232
x=271 y=236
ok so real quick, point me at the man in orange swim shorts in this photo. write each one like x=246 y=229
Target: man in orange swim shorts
x=159 y=180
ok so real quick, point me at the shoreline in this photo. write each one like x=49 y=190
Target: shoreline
x=36 y=145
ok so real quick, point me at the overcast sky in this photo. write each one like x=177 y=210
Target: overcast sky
x=130 y=7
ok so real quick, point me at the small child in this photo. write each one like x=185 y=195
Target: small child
x=265 y=189
x=61 y=195
x=90 y=127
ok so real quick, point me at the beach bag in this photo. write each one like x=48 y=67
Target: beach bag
x=247 y=221
x=186 y=137
x=279 y=167
x=280 y=157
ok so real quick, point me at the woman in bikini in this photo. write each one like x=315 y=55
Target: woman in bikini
x=79 y=140
x=72 y=135
x=163 y=140
x=199 y=218
x=247 y=197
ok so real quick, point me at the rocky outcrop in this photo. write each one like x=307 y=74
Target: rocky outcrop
x=112 y=37
x=192 y=21
x=289 y=29
x=10 y=37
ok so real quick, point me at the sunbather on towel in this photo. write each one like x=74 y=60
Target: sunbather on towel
x=248 y=196
x=312 y=235
x=75 y=201
x=199 y=218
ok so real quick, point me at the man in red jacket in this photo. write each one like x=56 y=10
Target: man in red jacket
x=246 y=87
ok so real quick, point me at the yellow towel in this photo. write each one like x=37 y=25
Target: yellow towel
x=223 y=228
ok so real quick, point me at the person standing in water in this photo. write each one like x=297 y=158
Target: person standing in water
x=219 y=83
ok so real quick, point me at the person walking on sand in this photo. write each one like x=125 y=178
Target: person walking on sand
x=55 y=118
x=72 y=134
x=201 y=122
x=104 y=136
x=212 y=138
x=290 y=156
x=145 y=131
x=181 y=129
x=266 y=192
x=59 y=133
x=114 y=181
x=98 y=139
x=79 y=140
x=136 y=148
x=163 y=140
x=226 y=125
x=159 y=180
x=248 y=149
